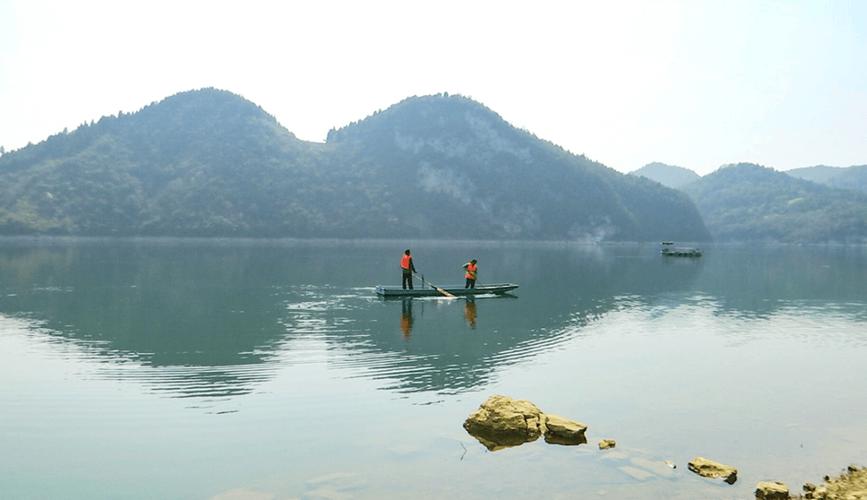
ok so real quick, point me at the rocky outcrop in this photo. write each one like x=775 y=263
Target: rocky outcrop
x=559 y=430
x=772 y=490
x=604 y=444
x=851 y=485
x=709 y=468
x=501 y=422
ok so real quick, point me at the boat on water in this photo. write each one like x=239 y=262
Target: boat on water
x=672 y=250
x=459 y=290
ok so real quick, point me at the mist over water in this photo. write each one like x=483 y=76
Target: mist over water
x=202 y=368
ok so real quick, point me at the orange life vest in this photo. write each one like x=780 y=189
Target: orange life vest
x=471 y=271
x=404 y=262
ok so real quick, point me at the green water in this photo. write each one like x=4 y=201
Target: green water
x=269 y=369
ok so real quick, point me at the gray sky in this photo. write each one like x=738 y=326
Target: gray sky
x=692 y=83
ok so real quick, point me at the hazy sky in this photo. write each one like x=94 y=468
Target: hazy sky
x=692 y=83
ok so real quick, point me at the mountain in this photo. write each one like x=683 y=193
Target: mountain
x=819 y=173
x=210 y=163
x=854 y=177
x=464 y=172
x=667 y=175
x=200 y=163
x=747 y=202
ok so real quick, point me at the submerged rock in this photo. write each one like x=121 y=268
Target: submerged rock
x=607 y=443
x=657 y=467
x=772 y=490
x=636 y=473
x=708 y=468
x=501 y=422
x=559 y=430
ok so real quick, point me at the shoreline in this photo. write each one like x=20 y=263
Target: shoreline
x=850 y=484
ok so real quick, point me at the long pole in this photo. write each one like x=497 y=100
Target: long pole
x=438 y=289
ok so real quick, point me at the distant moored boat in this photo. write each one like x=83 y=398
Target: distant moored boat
x=669 y=249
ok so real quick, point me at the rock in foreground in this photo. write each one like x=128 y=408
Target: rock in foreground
x=772 y=490
x=559 y=430
x=604 y=444
x=501 y=422
x=708 y=468
x=851 y=485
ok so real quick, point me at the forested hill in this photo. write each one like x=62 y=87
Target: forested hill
x=854 y=177
x=447 y=165
x=210 y=163
x=198 y=163
x=747 y=202
x=667 y=175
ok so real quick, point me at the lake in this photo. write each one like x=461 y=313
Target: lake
x=238 y=369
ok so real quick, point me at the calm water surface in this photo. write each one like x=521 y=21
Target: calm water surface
x=238 y=369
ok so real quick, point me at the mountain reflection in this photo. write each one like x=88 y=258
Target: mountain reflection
x=458 y=344
x=216 y=319
x=751 y=282
x=160 y=306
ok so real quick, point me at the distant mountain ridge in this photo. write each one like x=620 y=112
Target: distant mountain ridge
x=210 y=163
x=854 y=177
x=748 y=202
x=668 y=175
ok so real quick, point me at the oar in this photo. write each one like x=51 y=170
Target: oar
x=440 y=290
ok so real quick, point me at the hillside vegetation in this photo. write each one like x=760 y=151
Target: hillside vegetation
x=210 y=163
x=747 y=202
x=854 y=177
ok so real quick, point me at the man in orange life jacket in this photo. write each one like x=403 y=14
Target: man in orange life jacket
x=408 y=268
x=472 y=271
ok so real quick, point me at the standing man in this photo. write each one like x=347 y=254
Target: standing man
x=407 y=268
x=470 y=275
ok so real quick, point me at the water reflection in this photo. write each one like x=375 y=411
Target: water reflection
x=553 y=302
x=212 y=320
x=757 y=283
x=470 y=312
x=406 y=317
x=193 y=313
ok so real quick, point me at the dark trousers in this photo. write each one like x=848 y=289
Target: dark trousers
x=470 y=283
x=407 y=281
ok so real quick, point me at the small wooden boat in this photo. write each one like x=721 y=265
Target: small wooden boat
x=669 y=249
x=429 y=291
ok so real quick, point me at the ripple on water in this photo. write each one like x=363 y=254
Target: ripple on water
x=364 y=350
x=196 y=382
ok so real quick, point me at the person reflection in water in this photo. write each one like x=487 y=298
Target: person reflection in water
x=406 y=317
x=470 y=312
